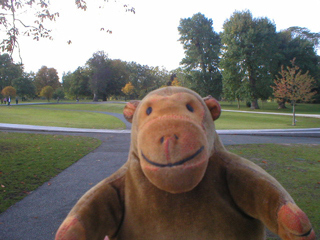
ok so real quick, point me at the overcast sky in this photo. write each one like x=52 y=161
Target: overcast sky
x=149 y=37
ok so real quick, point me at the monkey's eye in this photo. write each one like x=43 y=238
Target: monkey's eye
x=149 y=110
x=190 y=108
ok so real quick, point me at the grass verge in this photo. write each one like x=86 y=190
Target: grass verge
x=302 y=108
x=296 y=167
x=58 y=118
x=235 y=120
x=29 y=160
x=63 y=115
x=104 y=107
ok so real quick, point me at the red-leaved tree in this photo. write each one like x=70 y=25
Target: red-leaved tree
x=294 y=86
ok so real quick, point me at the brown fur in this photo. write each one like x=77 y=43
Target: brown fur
x=180 y=183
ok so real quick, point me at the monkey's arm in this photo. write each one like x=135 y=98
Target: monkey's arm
x=97 y=214
x=262 y=197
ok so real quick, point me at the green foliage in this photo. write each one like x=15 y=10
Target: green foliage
x=58 y=94
x=202 y=49
x=145 y=78
x=248 y=56
x=29 y=160
x=47 y=92
x=99 y=75
x=46 y=77
x=24 y=86
x=8 y=71
x=76 y=84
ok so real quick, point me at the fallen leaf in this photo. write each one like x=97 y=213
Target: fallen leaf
x=49 y=184
x=3 y=186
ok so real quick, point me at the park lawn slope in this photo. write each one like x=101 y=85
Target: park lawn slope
x=239 y=120
x=59 y=118
x=296 y=167
x=29 y=160
x=75 y=115
x=103 y=107
x=301 y=108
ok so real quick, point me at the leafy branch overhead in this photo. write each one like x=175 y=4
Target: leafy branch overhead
x=13 y=20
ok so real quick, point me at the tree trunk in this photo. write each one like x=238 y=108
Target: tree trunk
x=282 y=104
x=252 y=81
x=95 y=97
x=238 y=100
x=293 y=113
x=254 y=104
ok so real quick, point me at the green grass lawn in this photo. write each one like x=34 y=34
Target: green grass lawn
x=29 y=160
x=235 y=120
x=75 y=115
x=59 y=118
x=296 y=167
x=302 y=108
x=104 y=107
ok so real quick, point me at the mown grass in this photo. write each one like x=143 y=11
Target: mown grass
x=235 y=120
x=296 y=167
x=103 y=107
x=59 y=118
x=302 y=108
x=29 y=160
x=75 y=115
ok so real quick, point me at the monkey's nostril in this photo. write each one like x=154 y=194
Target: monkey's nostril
x=162 y=139
x=176 y=137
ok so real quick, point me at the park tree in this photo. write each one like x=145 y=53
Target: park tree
x=293 y=85
x=25 y=86
x=248 y=55
x=128 y=89
x=46 y=77
x=8 y=70
x=47 y=92
x=9 y=91
x=202 y=49
x=58 y=94
x=301 y=44
x=145 y=78
x=119 y=75
x=76 y=84
x=99 y=74
x=174 y=80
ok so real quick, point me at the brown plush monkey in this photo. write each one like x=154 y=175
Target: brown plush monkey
x=180 y=183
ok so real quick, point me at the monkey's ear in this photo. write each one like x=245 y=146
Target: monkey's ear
x=129 y=110
x=213 y=106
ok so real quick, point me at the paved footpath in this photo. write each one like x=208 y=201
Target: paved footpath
x=39 y=215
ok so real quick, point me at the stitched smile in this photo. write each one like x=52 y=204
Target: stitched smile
x=176 y=163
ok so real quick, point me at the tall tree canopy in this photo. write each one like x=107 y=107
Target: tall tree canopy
x=24 y=86
x=76 y=84
x=100 y=73
x=300 y=44
x=46 y=77
x=248 y=55
x=8 y=71
x=202 y=49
